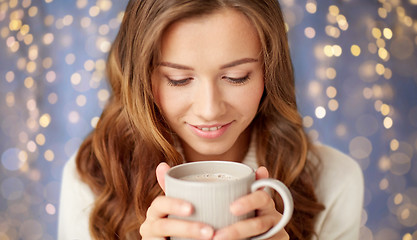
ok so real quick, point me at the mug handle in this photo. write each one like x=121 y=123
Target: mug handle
x=286 y=198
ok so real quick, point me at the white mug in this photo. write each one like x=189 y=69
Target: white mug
x=211 y=186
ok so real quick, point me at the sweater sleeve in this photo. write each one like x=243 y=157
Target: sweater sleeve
x=75 y=205
x=341 y=189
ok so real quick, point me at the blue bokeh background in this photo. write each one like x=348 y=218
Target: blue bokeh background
x=356 y=74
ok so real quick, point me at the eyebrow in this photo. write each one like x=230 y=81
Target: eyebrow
x=227 y=65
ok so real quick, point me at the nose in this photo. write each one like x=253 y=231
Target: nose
x=209 y=104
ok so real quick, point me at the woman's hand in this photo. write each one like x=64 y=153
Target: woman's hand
x=267 y=215
x=158 y=226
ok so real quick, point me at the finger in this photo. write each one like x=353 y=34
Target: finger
x=249 y=228
x=261 y=173
x=161 y=169
x=163 y=206
x=169 y=227
x=258 y=200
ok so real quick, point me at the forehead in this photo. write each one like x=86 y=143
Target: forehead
x=225 y=31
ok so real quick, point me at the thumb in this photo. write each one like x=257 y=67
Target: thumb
x=261 y=173
x=161 y=169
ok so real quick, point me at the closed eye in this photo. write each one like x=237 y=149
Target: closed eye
x=179 y=82
x=241 y=80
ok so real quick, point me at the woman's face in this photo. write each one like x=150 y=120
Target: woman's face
x=209 y=83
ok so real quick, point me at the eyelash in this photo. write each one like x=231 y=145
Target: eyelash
x=237 y=81
x=182 y=82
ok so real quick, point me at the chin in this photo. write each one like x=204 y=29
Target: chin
x=212 y=150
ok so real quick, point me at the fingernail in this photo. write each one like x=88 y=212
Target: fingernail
x=206 y=232
x=186 y=208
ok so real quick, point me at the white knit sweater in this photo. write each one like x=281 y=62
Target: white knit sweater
x=340 y=188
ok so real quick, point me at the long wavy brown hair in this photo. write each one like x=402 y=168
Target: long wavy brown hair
x=118 y=159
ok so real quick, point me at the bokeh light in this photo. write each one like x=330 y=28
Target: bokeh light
x=356 y=78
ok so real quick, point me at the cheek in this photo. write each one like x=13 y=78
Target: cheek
x=169 y=102
x=254 y=95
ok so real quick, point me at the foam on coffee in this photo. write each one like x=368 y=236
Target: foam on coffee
x=209 y=177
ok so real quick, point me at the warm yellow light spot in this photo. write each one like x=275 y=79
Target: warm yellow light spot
x=380 y=43
x=385 y=109
x=81 y=100
x=387 y=33
x=337 y=50
x=382 y=12
x=29 y=82
x=333 y=105
x=309 y=32
x=387 y=73
x=334 y=10
x=31 y=67
x=70 y=58
x=407 y=236
x=342 y=22
x=33 y=11
x=49 y=155
x=328 y=50
x=408 y=21
x=355 y=50
x=47 y=63
x=383 y=184
x=75 y=78
x=12 y=3
x=331 y=73
x=28 y=39
x=94 y=121
x=311 y=7
x=40 y=139
x=4 y=32
x=376 y=32
x=332 y=31
x=74 y=117
x=388 y=122
x=67 y=20
x=33 y=52
x=85 y=22
x=384 y=163
x=308 y=121
x=331 y=92
x=398 y=198
x=48 y=38
x=23 y=156
x=49 y=20
x=379 y=69
x=94 y=11
x=334 y=50
x=10 y=100
x=45 y=120
x=104 y=5
x=394 y=145
x=15 y=24
x=405 y=213
x=383 y=53
x=100 y=65
x=320 y=112
x=10 y=76
x=24 y=29
x=103 y=95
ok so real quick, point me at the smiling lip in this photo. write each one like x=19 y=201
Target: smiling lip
x=210 y=131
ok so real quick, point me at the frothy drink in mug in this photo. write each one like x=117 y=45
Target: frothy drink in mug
x=209 y=177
